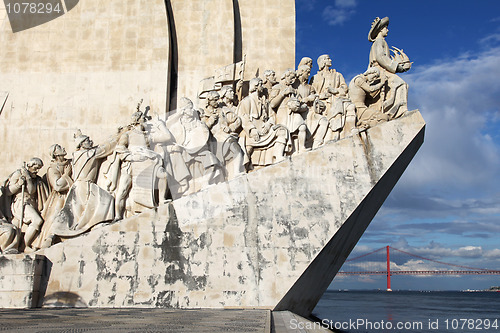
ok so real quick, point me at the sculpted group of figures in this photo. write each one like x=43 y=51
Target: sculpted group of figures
x=151 y=160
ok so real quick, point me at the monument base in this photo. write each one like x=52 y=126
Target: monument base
x=20 y=280
x=270 y=239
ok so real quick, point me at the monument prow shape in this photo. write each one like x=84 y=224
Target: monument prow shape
x=273 y=238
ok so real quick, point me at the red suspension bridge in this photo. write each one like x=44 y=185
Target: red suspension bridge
x=454 y=269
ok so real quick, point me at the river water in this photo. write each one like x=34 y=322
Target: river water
x=410 y=311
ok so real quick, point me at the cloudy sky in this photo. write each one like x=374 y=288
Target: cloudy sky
x=447 y=204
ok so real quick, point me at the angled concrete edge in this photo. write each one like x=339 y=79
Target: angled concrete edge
x=318 y=276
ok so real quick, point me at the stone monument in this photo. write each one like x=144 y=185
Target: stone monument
x=226 y=189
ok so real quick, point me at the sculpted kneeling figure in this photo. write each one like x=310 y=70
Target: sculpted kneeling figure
x=364 y=90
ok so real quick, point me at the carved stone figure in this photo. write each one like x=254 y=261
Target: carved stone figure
x=228 y=98
x=306 y=61
x=332 y=90
x=395 y=95
x=86 y=204
x=316 y=121
x=59 y=181
x=177 y=172
x=264 y=140
x=28 y=193
x=9 y=237
x=363 y=90
x=294 y=121
x=133 y=169
x=269 y=81
x=210 y=114
x=192 y=140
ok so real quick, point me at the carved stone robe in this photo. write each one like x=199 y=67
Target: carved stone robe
x=59 y=181
x=86 y=204
x=255 y=113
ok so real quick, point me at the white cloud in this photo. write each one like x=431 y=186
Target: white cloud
x=490 y=40
x=493 y=254
x=340 y=12
x=459 y=99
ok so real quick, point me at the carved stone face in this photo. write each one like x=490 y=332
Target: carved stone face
x=34 y=168
x=59 y=151
x=384 y=31
x=213 y=102
x=188 y=114
x=290 y=79
x=271 y=78
x=256 y=85
x=305 y=74
x=87 y=143
x=328 y=62
x=229 y=94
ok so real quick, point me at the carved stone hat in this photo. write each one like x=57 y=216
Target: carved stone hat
x=377 y=25
x=79 y=138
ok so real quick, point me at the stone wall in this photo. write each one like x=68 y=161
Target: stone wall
x=20 y=280
x=90 y=67
x=273 y=238
x=87 y=69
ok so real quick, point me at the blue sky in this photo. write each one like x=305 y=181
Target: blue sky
x=447 y=204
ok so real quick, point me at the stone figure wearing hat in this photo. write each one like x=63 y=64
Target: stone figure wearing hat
x=59 y=180
x=86 y=204
x=394 y=97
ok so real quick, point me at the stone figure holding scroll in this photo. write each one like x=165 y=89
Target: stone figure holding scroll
x=394 y=98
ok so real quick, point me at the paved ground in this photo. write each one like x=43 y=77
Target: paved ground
x=152 y=320
x=134 y=320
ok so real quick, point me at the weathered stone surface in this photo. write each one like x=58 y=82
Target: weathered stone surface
x=20 y=280
x=273 y=238
x=87 y=69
